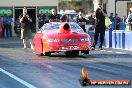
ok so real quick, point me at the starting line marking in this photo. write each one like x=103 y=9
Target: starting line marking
x=17 y=79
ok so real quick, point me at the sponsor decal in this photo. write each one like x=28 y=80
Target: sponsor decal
x=69 y=40
x=84 y=46
x=69 y=47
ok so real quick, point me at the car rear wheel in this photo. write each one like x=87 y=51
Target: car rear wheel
x=72 y=53
x=41 y=54
x=47 y=53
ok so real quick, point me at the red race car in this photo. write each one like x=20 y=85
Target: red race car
x=68 y=37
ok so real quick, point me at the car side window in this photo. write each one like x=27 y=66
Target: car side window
x=55 y=26
x=43 y=27
x=46 y=26
x=75 y=27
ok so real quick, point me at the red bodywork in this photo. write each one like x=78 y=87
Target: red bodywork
x=62 y=39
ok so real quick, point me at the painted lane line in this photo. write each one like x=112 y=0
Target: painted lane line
x=102 y=50
x=110 y=51
x=119 y=52
x=17 y=79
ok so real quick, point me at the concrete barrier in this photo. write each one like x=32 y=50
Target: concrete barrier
x=117 y=39
x=131 y=45
x=91 y=33
x=108 y=39
x=126 y=40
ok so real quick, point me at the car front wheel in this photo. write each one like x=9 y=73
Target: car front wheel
x=85 y=51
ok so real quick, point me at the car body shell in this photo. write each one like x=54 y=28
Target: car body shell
x=58 y=39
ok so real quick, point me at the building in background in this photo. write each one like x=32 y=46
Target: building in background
x=35 y=8
x=38 y=7
x=121 y=7
x=84 y=5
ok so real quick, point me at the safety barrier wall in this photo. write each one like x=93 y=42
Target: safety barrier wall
x=127 y=40
x=118 y=39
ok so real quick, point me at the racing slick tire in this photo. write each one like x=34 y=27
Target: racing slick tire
x=41 y=54
x=85 y=52
x=47 y=53
x=72 y=53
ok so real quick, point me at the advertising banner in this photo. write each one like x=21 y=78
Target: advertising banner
x=45 y=9
x=6 y=11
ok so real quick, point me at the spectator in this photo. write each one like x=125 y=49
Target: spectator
x=9 y=26
x=124 y=19
x=111 y=17
x=92 y=21
x=46 y=18
x=118 y=20
x=25 y=28
x=122 y=23
x=5 y=31
x=54 y=17
x=40 y=21
x=100 y=15
x=63 y=18
x=129 y=19
x=1 y=27
x=72 y=18
x=17 y=27
x=81 y=21
x=2 y=19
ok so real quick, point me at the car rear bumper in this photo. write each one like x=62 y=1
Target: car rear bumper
x=80 y=47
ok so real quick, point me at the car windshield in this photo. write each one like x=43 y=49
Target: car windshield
x=51 y=26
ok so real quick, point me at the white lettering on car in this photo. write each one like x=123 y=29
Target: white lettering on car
x=70 y=48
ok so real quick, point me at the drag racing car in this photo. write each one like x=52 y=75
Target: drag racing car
x=67 y=37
